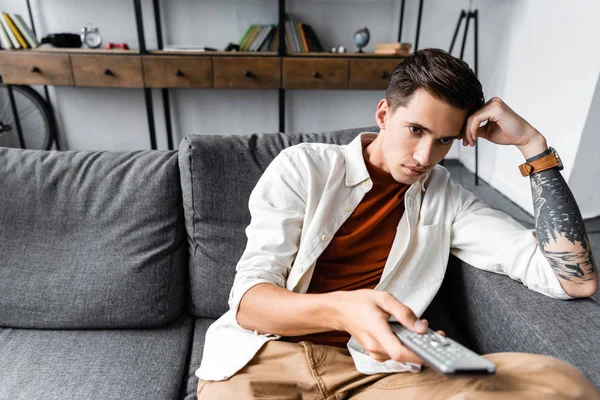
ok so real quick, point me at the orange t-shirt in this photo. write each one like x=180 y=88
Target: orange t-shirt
x=356 y=256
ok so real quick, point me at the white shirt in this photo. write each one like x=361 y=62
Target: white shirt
x=304 y=197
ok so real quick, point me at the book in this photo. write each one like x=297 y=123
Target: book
x=4 y=39
x=9 y=32
x=264 y=45
x=192 y=48
x=260 y=39
x=399 y=52
x=251 y=38
x=303 y=36
x=275 y=42
x=15 y=31
x=312 y=37
x=298 y=30
x=25 y=31
x=245 y=36
x=392 y=45
x=291 y=37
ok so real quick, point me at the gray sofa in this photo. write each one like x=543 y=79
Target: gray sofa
x=113 y=265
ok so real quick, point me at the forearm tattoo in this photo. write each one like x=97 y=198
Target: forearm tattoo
x=559 y=227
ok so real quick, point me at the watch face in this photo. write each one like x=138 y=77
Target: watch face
x=560 y=164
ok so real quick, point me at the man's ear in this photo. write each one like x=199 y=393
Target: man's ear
x=381 y=114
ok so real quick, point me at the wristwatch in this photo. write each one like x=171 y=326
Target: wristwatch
x=541 y=164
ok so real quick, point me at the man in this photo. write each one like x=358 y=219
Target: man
x=344 y=238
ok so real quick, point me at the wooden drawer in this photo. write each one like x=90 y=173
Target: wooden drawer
x=30 y=68
x=107 y=70
x=178 y=72
x=247 y=72
x=372 y=74
x=315 y=73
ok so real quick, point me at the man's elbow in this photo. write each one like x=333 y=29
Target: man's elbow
x=587 y=289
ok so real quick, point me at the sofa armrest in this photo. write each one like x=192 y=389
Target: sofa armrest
x=498 y=314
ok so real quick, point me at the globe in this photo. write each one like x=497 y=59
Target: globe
x=361 y=38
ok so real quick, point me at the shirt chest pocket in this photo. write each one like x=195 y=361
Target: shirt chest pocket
x=424 y=262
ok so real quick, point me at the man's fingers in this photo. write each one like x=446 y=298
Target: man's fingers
x=402 y=313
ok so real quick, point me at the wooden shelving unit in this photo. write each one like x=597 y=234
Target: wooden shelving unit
x=159 y=69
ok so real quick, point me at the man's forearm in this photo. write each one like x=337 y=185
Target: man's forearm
x=272 y=309
x=561 y=233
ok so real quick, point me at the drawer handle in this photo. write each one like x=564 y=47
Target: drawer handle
x=385 y=75
x=35 y=70
x=316 y=75
x=248 y=74
x=108 y=72
x=178 y=73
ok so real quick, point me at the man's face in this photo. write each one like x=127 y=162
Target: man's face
x=413 y=139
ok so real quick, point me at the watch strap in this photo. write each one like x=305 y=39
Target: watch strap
x=541 y=164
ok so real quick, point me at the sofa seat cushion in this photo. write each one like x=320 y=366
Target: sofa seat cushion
x=95 y=364
x=217 y=175
x=91 y=239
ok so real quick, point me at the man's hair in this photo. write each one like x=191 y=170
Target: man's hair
x=441 y=74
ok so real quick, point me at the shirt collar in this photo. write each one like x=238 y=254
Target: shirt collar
x=356 y=170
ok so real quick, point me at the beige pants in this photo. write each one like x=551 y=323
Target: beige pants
x=282 y=370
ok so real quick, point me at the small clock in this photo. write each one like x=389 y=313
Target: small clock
x=90 y=37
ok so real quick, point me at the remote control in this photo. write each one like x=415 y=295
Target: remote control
x=443 y=354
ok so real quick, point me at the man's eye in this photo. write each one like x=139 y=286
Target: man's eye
x=415 y=130
x=447 y=140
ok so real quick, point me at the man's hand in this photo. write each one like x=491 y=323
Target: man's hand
x=365 y=313
x=505 y=127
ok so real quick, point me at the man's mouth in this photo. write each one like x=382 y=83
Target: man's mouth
x=414 y=171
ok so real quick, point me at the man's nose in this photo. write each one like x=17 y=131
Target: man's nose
x=422 y=153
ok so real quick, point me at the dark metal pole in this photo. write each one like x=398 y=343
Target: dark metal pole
x=281 y=49
x=168 y=123
x=150 y=112
x=158 y=24
x=281 y=52
x=282 y=110
x=31 y=18
x=476 y=26
x=419 y=24
x=460 y=19
x=464 y=42
x=165 y=92
x=13 y=106
x=401 y=22
x=476 y=21
x=137 y=5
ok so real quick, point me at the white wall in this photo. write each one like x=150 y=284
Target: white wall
x=585 y=175
x=115 y=119
x=543 y=59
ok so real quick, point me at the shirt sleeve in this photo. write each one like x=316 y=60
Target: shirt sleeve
x=491 y=240
x=277 y=207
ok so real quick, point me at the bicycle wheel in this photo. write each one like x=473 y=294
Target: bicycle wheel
x=37 y=124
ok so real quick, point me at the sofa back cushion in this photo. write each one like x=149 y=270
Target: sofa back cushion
x=217 y=175
x=90 y=239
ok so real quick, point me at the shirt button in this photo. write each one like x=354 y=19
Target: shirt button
x=367 y=184
x=232 y=294
x=324 y=238
x=350 y=181
x=347 y=208
x=300 y=270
